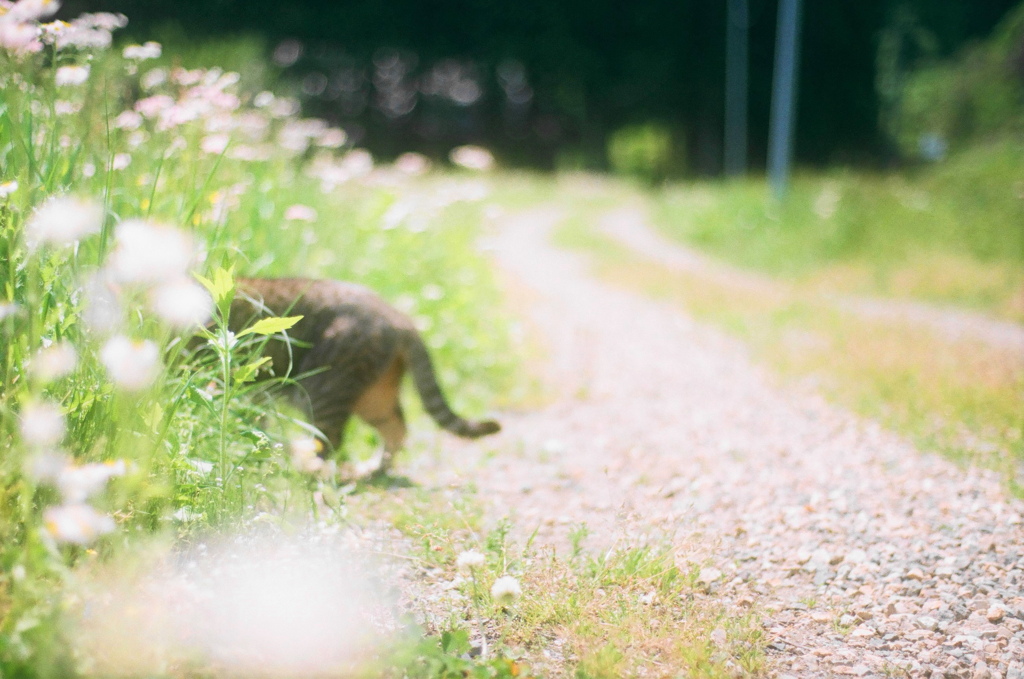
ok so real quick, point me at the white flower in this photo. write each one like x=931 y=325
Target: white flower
x=149 y=50
x=469 y=560
x=150 y=253
x=78 y=524
x=472 y=157
x=70 y=76
x=19 y=37
x=505 y=590
x=214 y=143
x=42 y=425
x=131 y=365
x=305 y=453
x=332 y=138
x=358 y=162
x=153 y=78
x=120 y=161
x=46 y=466
x=182 y=303
x=54 y=361
x=128 y=120
x=412 y=163
x=63 y=221
x=153 y=106
x=7 y=188
x=77 y=484
x=31 y=10
x=66 y=108
x=300 y=213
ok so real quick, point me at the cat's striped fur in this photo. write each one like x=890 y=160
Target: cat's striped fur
x=349 y=353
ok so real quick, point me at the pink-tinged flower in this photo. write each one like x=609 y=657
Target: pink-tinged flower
x=55 y=361
x=78 y=524
x=149 y=50
x=42 y=425
x=300 y=213
x=120 y=161
x=19 y=38
x=150 y=107
x=153 y=78
x=472 y=158
x=131 y=365
x=66 y=108
x=182 y=303
x=214 y=143
x=63 y=221
x=332 y=138
x=31 y=10
x=71 y=76
x=150 y=253
x=128 y=120
x=412 y=163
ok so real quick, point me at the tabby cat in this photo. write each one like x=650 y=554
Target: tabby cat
x=349 y=353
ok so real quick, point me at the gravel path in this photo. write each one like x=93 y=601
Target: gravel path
x=628 y=227
x=864 y=556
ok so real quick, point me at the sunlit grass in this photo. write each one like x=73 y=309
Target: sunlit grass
x=951 y=233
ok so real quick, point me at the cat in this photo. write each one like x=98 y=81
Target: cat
x=349 y=353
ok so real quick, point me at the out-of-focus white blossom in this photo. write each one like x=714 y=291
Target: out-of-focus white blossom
x=300 y=213
x=46 y=466
x=128 y=120
x=120 y=161
x=412 y=163
x=7 y=310
x=469 y=560
x=79 y=483
x=506 y=590
x=42 y=425
x=19 y=38
x=78 y=524
x=153 y=78
x=214 y=143
x=31 y=10
x=148 y=50
x=66 y=108
x=182 y=303
x=150 y=107
x=305 y=454
x=131 y=365
x=332 y=138
x=149 y=253
x=71 y=76
x=7 y=188
x=55 y=361
x=63 y=221
x=263 y=99
x=472 y=157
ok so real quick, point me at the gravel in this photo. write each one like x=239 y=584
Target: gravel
x=864 y=556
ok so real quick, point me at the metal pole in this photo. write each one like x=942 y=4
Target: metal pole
x=736 y=31
x=784 y=86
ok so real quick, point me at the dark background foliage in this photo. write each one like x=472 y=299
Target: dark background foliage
x=556 y=77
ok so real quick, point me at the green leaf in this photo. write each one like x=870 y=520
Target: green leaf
x=248 y=372
x=269 y=326
x=222 y=285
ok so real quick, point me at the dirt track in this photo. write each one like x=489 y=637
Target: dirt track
x=865 y=557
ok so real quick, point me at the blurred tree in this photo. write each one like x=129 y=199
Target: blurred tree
x=588 y=67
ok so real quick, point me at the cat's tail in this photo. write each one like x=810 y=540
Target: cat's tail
x=434 y=402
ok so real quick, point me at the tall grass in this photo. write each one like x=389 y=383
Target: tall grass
x=115 y=424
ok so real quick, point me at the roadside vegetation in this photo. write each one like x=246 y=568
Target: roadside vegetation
x=136 y=186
